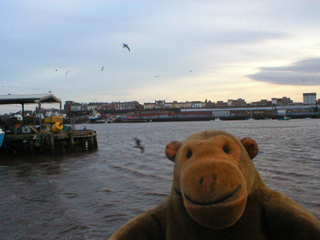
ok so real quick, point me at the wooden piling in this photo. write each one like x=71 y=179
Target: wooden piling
x=31 y=146
x=72 y=141
x=25 y=146
x=95 y=142
x=90 y=142
x=51 y=137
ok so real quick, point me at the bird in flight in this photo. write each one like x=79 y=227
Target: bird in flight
x=138 y=145
x=67 y=72
x=126 y=46
x=102 y=68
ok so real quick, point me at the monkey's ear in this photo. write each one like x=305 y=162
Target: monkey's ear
x=251 y=146
x=172 y=149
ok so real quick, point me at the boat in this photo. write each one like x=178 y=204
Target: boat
x=284 y=118
x=215 y=120
x=251 y=118
x=96 y=118
x=101 y=120
x=1 y=137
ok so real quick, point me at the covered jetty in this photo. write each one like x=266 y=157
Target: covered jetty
x=50 y=136
x=30 y=99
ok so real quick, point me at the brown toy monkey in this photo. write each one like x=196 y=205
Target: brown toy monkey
x=218 y=194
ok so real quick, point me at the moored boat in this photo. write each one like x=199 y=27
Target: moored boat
x=96 y=118
x=1 y=136
x=215 y=120
x=284 y=118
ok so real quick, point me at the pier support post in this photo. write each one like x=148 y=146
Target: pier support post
x=95 y=141
x=72 y=141
x=31 y=146
x=90 y=142
x=25 y=146
x=51 y=137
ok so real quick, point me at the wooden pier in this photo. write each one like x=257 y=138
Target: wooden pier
x=49 y=142
x=50 y=136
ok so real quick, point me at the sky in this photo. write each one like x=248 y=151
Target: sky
x=179 y=50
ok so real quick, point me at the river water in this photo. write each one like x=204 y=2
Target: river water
x=90 y=195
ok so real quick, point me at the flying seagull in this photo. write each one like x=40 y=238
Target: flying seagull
x=102 y=68
x=126 y=46
x=67 y=72
x=138 y=145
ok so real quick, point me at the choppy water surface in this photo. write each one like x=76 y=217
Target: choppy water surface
x=89 y=196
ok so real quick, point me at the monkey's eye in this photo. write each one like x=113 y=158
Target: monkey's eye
x=226 y=149
x=189 y=154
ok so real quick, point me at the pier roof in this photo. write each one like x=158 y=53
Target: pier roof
x=29 y=98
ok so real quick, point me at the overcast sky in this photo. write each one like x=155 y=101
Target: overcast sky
x=180 y=50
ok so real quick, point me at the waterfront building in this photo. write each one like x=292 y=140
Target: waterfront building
x=282 y=101
x=237 y=103
x=262 y=102
x=126 y=105
x=309 y=98
x=75 y=107
x=160 y=104
x=198 y=104
x=210 y=104
x=222 y=104
x=149 y=106
x=67 y=105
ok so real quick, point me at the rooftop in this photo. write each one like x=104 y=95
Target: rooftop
x=29 y=98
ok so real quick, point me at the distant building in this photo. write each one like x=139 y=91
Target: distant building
x=175 y=104
x=68 y=105
x=126 y=105
x=160 y=104
x=149 y=106
x=71 y=106
x=262 y=103
x=92 y=107
x=105 y=106
x=210 y=104
x=309 y=98
x=198 y=104
x=75 y=107
x=282 y=101
x=222 y=104
x=237 y=103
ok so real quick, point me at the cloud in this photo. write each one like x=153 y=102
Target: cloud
x=303 y=72
x=219 y=41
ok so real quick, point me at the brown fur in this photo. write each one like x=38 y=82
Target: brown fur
x=218 y=194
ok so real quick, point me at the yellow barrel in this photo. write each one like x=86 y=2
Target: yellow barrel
x=57 y=127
